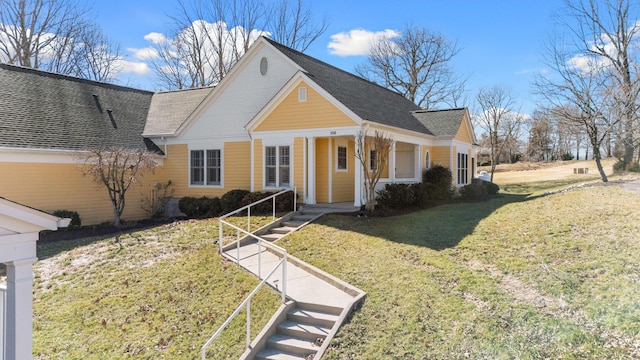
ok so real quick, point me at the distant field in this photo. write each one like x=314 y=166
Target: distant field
x=530 y=172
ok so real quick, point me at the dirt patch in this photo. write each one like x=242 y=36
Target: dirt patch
x=522 y=292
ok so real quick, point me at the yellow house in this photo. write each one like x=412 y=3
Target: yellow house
x=279 y=119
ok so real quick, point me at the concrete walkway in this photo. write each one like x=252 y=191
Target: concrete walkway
x=304 y=283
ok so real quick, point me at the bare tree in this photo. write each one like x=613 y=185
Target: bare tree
x=211 y=36
x=579 y=95
x=117 y=169
x=372 y=151
x=607 y=31
x=55 y=35
x=540 y=136
x=497 y=118
x=290 y=24
x=417 y=64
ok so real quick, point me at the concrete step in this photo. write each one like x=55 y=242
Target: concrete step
x=310 y=317
x=333 y=310
x=283 y=229
x=293 y=224
x=303 y=331
x=303 y=217
x=292 y=345
x=273 y=354
x=272 y=237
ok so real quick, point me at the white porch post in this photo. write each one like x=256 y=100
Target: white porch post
x=19 y=309
x=311 y=171
x=392 y=162
x=358 y=182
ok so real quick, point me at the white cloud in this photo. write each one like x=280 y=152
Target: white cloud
x=156 y=38
x=357 y=41
x=125 y=66
x=147 y=53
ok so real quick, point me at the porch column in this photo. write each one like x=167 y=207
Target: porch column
x=392 y=162
x=19 y=309
x=358 y=181
x=311 y=171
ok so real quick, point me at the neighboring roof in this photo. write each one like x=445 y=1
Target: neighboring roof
x=170 y=109
x=368 y=100
x=441 y=122
x=50 y=111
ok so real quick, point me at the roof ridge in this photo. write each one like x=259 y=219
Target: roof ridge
x=54 y=75
x=273 y=42
x=185 y=90
x=437 y=110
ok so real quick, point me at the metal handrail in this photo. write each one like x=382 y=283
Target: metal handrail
x=247 y=303
x=248 y=209
x=261 y=242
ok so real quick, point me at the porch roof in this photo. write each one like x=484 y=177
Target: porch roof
x=444 y=122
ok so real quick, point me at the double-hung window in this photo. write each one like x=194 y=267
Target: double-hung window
x=277 y=166
x=463 y=168
x=206 y=167
x=341 y=163
x=373 y=160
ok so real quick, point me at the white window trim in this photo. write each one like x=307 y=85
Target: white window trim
x=302 y=94
x=463 y=169
x=204 y=185
x=346 y=165
x=264 y=166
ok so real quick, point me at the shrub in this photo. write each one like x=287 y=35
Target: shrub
x=470 y=192
x=232 y=200
x=491 y=188
x=69 y=214
x=421 y=192
x=155 y=202
x=567 y=156
x=441 y=177
x=284 y=202
x=201 y=207
x=395 y=196
x=633 y=167
x=619 y=167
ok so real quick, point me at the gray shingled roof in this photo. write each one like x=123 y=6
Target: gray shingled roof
x=368 y=100
x=50 y=111
x=441 y=122
x=170 y=109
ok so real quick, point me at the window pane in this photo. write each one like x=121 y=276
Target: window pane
x=213 y=167
x=284 y=155
x=270 y=176
x=197 y=167
x=342 y=158
x=270 y=155
x=373 y=161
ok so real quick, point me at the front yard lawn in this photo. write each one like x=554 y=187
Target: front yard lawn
x=514 y=277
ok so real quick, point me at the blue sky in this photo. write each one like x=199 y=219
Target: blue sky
x=501 y=40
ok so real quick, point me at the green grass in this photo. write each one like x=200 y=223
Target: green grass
x=157 y=293
x=551 y=277
x=518 y=276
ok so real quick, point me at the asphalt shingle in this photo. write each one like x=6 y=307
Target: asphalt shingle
x=49 y=111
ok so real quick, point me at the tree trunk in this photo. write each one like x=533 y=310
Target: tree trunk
x=603 y=175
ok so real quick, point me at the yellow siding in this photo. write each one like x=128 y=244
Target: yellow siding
x=258 y=167
x=236 y=167
x=50 y=187
x=298 y=165
x=464 y=131
x=322 y=168
x=316 y=112
x=343 y=181
x=440 y=155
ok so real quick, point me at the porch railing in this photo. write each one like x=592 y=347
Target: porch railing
x=260 y=243
x=3 y=320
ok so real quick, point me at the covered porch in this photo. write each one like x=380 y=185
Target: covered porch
x=19 y=232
